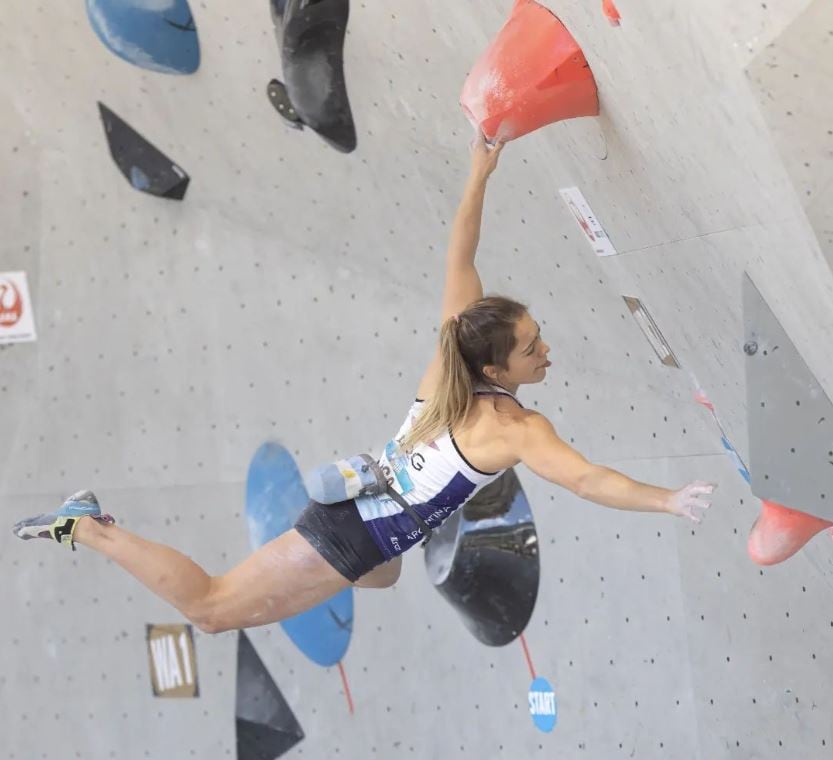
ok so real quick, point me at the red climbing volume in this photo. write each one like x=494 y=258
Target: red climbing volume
x=533 y=74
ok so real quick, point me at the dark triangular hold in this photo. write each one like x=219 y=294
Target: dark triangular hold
x=146 y=168
x=258 y=742
x=790 y=417
x=266 y=725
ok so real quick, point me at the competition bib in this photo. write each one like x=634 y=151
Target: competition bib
x=394 y=464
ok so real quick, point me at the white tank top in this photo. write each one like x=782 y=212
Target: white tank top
x=436 y=479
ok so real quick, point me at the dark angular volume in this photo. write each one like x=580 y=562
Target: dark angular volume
x=266 y=725
x=145 y=167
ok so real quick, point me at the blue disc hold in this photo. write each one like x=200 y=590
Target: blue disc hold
x=275 y=496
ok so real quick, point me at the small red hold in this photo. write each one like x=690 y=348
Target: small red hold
x=611 y=12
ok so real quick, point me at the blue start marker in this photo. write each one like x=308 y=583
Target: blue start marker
x=542 y=705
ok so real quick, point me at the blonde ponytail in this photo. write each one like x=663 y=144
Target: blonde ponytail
x=484 y=334
x=452 y=400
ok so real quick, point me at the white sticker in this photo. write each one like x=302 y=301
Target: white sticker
x=586 y=219
x=17 y=321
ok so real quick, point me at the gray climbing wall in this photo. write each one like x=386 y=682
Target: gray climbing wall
x=294 y=293
x=792 y=77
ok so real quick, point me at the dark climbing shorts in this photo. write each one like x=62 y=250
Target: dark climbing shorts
x=338 y=533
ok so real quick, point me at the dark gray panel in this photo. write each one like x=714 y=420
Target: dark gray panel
x=790 y=416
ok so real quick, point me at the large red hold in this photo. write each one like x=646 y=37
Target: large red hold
x=779 y=532
x=533 y=74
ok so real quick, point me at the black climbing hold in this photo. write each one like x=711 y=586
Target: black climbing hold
x=311 y=35
x=484 y=561
x=283 y=105
x=266 y=725
x=145 y=167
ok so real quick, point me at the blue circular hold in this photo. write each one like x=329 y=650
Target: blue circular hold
x=275 y=496
x=542 y=705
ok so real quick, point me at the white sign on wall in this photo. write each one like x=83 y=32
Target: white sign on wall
x=17 y=320
x=586 y=219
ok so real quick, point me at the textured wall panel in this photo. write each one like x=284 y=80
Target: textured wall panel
x=294 y=294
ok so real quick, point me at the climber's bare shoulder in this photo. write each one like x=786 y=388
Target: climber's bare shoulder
x=501 y=435
x=490 y=438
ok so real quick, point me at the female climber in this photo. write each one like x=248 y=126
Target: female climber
x=463 y=431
